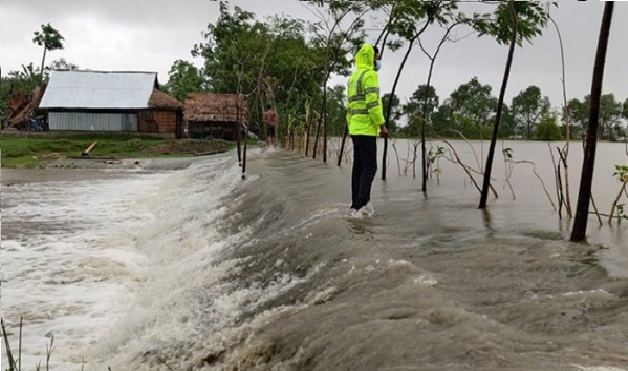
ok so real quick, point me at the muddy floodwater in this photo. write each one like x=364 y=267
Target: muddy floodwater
x=197 y=269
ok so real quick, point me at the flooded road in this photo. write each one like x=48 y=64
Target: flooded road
x=199 y=270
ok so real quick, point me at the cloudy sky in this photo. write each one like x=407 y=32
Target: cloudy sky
x=148 y=35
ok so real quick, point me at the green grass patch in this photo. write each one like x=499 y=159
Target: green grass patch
x=35 y=152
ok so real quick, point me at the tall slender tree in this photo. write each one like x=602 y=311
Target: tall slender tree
x=337 y=41
x=512 y=23
x=428 y=106
x=489 y=161
x=410 y=20
x=50 y=39
x=579 y=230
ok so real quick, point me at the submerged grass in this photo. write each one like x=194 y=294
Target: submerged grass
x=15 y=364
x=15 y=360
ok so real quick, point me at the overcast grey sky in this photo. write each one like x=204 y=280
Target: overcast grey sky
x=149 y=35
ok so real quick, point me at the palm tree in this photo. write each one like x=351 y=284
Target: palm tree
x=50 y=39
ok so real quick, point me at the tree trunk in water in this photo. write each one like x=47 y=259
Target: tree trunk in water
x=342 y=145
x=565 y=155
x=424 y=157
x=246 y=134
x=491 y=153
x=423 y=129
x=390 y=100
x=325 y=125
x=322 y=118
x=308 y=124
x=43 y=60
x=238 y=127
x=579 y=230
x=318 y=133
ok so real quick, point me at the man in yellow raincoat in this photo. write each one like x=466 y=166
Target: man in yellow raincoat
x=365 y=120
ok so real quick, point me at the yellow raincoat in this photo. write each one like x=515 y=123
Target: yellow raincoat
x=365 y=113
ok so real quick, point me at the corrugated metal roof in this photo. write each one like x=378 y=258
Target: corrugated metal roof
x=98 y=90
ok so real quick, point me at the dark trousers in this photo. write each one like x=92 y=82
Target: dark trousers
x=364 y=169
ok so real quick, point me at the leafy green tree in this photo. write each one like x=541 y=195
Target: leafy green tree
x=50 y=39
x=336 y=110
x=272 y=62
x=22 y=81
x=473 y=108
x=62 y=65
x=578 y=116
x=184 y=78
x=416 y=108
x=337 y=43
x=624 y=131
x=511 y=24
x=507 y=126
x=396 y=111
x=528 y=107
x=547 y=128
x=409 y=20
x=610 y=116
x=611 y=112
x=443 y=120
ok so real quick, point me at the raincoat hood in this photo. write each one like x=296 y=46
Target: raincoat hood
x=364 y=59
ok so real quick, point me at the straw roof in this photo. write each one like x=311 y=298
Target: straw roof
x=215 y=108
x=161 y=100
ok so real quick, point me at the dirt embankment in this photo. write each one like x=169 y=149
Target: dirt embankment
x=150 y=158
x=190 y=147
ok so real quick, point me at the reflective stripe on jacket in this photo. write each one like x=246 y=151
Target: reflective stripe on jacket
x=365 y=113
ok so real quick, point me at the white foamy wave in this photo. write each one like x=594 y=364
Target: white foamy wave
x=64 y=264
x=181 y=290
x=425 y=280
x=81 y=255
x=590 y=295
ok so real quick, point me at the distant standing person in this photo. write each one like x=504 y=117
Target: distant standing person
x=271 y=120
x=365 y=119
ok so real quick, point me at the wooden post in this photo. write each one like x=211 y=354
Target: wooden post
x=246 y=134
x=238 y=129
x=88 y=149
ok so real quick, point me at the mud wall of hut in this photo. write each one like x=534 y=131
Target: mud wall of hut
x=157 y=121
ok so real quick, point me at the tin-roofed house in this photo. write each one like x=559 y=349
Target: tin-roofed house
x=98 y=101
x=214 y=115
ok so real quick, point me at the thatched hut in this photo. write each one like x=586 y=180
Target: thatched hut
x=110 y=102
x=214 y=115
x=164 y=115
